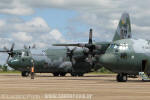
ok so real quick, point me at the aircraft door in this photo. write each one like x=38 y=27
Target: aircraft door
x=144 y=65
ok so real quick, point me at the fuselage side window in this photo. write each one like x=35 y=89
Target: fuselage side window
x=23 y=54
x=121 y=47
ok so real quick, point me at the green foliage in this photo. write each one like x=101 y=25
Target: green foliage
x=103 y=70
x=10 y=71
x=3 y=68
x=0 y=67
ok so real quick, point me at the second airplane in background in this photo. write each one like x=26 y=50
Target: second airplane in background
x=124 y=55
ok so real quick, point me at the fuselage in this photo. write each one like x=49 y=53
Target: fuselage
x=49 y=61
x=127 y=56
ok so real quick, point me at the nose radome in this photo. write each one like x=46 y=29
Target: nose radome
x=13 y=62
x=107 y=59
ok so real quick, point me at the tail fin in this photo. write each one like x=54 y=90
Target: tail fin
x=124 y=28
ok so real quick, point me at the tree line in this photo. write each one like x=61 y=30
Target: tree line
x=4 y=68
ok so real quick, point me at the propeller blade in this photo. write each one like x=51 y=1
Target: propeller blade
x=70 y=54
x=65 y=44
x=25 y=47
x=3 y=51
x=77 y=45
x=90 y=37
x=74 y=49
x=67 y=49
x=5 y=48
x=10 y=52
x=12 y=47
x=7 y=59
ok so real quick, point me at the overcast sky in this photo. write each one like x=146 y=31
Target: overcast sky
x=44 y=22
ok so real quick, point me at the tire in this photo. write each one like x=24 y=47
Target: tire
x=121 y=77
x=80 y=74
x=73 y=74
x=62 y=74
x=24 y=74
x=55 y=74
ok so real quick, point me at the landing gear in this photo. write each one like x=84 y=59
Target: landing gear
x=80 y=74
x=25 y=73
x=55 y=74
x=62 y=74
x=76 y=74
x=121 y=77
x=73 y=74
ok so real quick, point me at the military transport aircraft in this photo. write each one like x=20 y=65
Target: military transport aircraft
x=124 y=55
x=56 y=61
x=22 y=60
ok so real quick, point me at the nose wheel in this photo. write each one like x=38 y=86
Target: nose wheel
x=24 y=74
x=121 y=77
x=59 y=74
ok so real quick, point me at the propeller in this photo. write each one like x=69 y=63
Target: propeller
x=88 y=45
x=91 y=47
x=10 y=52
x=70 y=53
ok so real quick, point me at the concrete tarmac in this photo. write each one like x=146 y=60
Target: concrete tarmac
x=90 y=87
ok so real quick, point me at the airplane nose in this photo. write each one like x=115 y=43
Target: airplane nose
x=13 y=62
x=9 y=62
x=107 y=59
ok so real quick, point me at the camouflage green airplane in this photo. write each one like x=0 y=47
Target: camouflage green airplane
x=56 y=61
x=124 y=55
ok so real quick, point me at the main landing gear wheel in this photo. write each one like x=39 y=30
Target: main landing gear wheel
x=80 y=74
x=62 y=74
x=25 y=73
x=76 y=74
x=122 y=77
x=73 y=74
x=55 y=74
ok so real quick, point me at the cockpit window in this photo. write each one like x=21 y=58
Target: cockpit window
x=22 y=54
x=123 y=46
x=25 y=54
x=114 y=46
